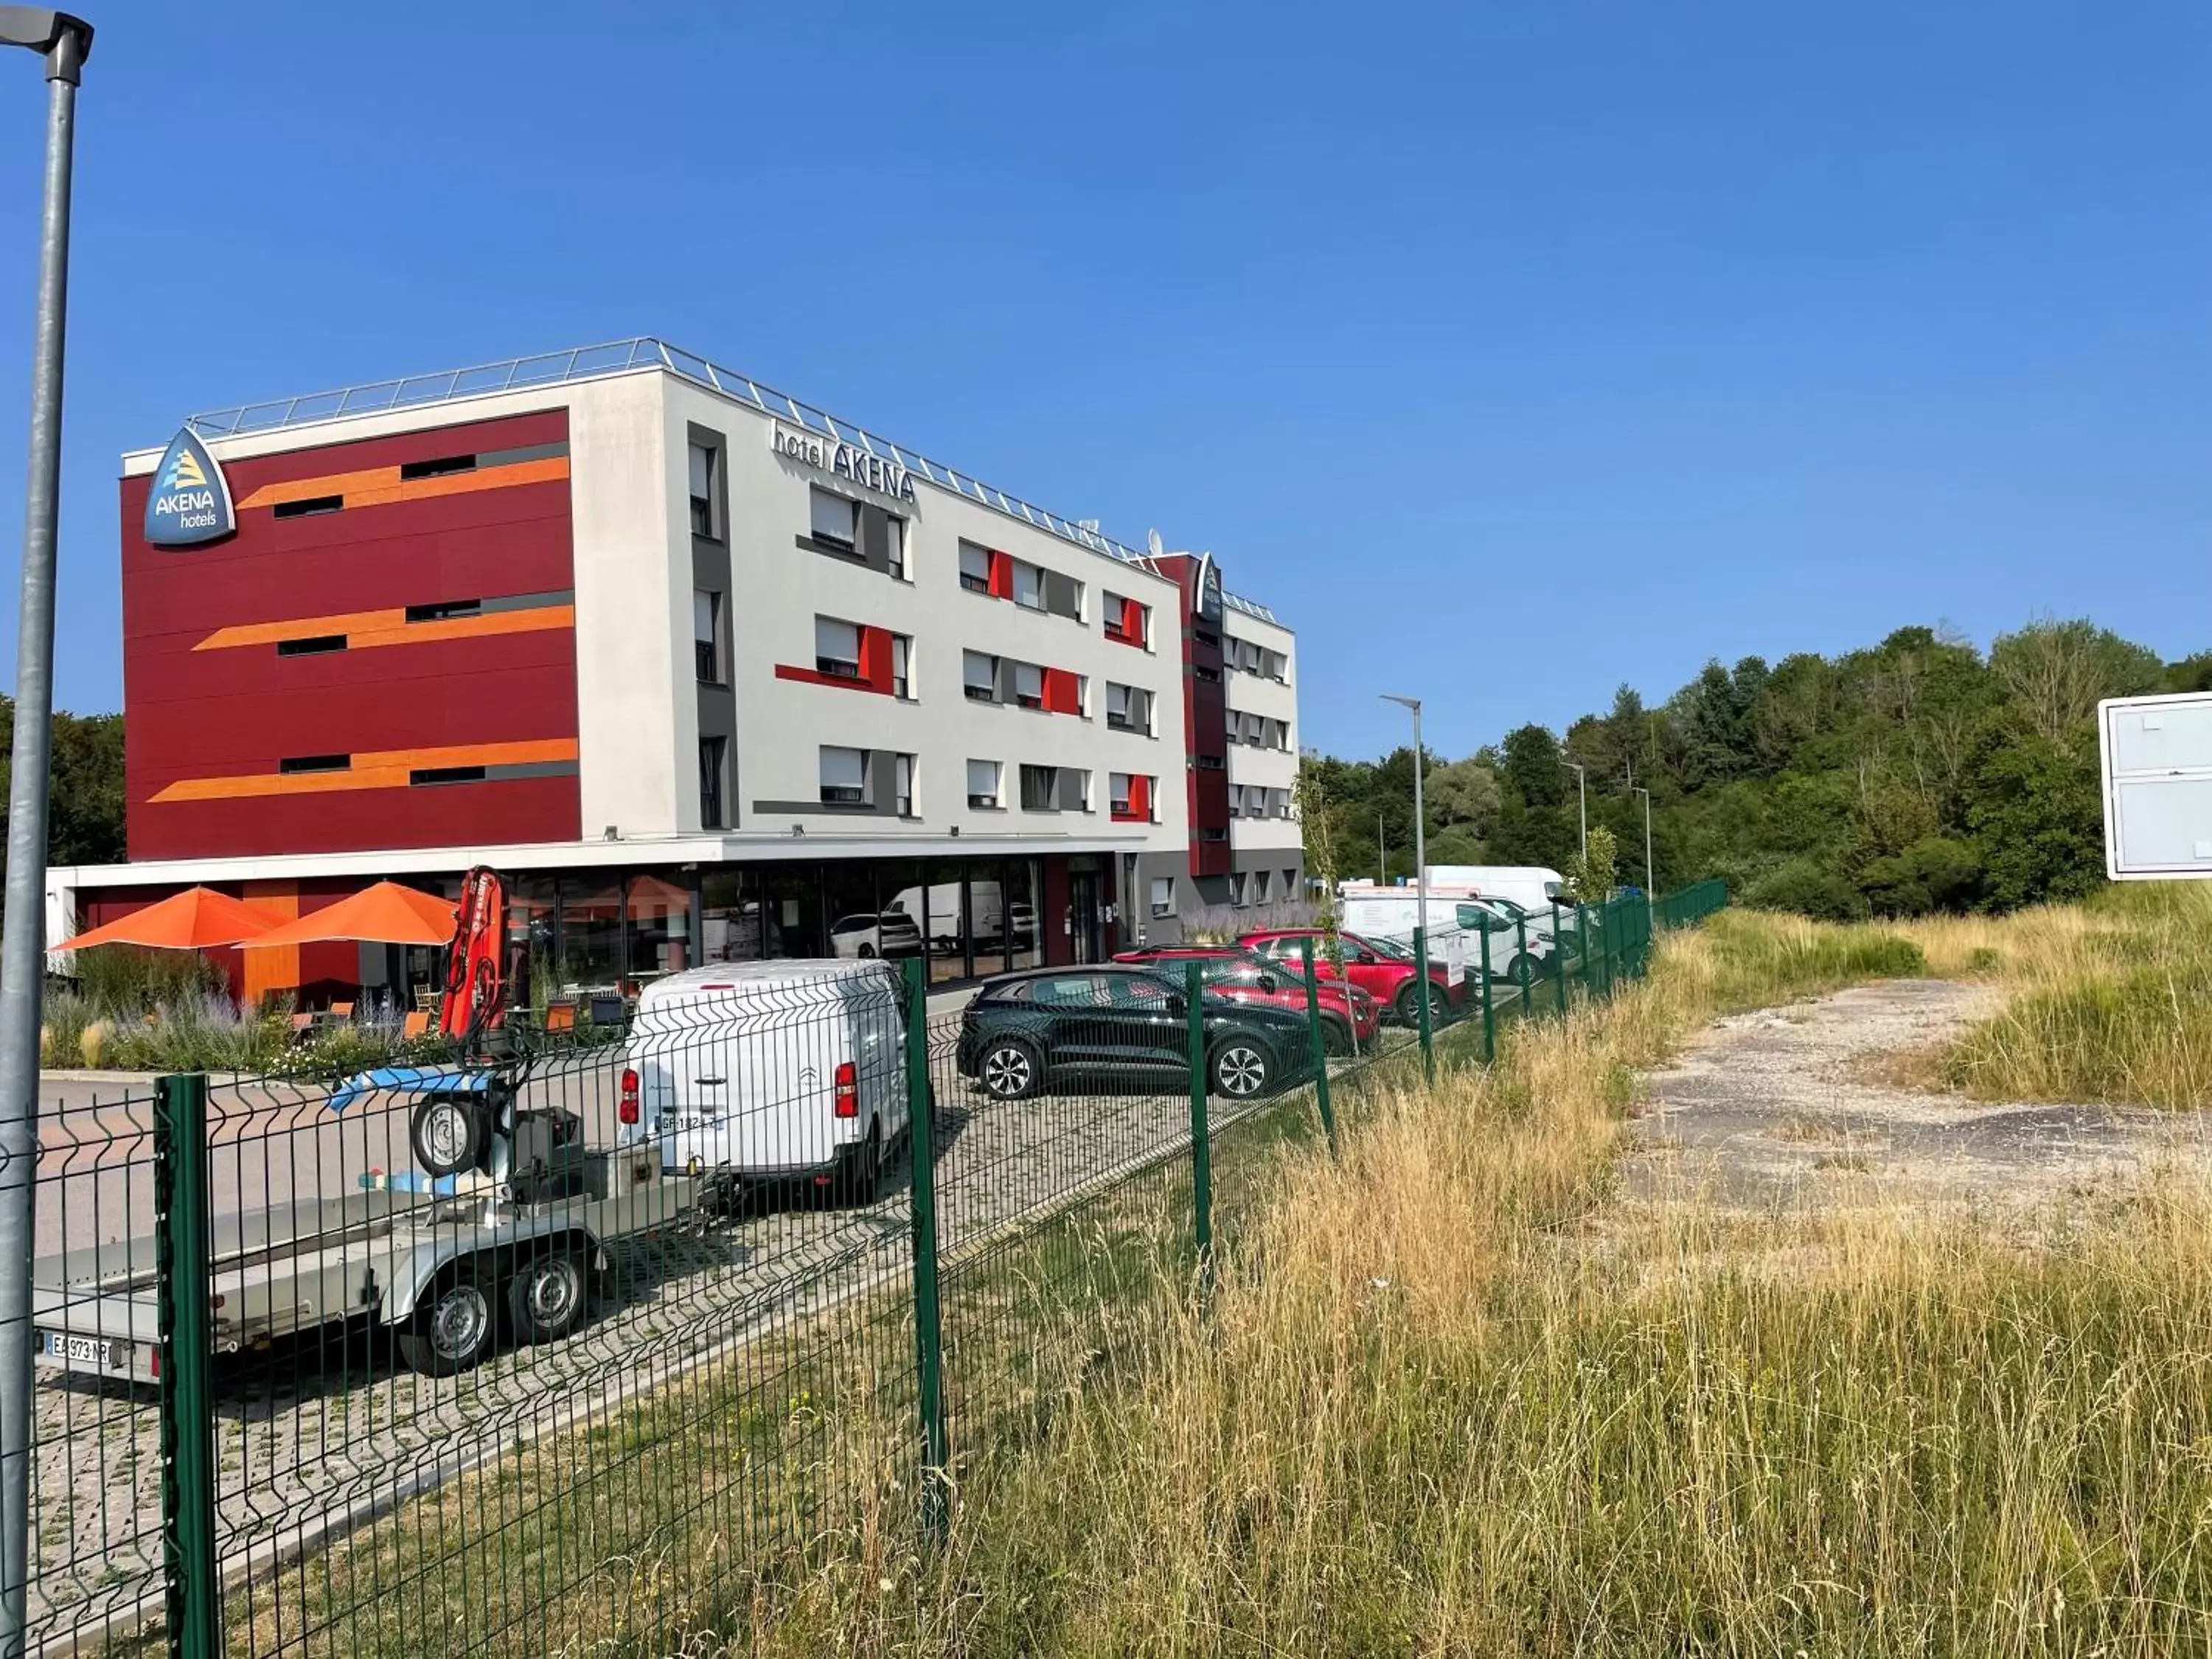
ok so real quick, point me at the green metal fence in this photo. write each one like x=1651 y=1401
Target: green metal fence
x=603 y=1345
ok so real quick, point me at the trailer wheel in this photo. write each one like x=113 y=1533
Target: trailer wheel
x=547 y=1295
x=447 y=1134
x=452 y=1329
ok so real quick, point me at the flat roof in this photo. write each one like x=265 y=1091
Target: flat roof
x=641 y=353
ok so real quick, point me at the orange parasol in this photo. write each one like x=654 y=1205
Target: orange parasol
x=194 y=920
x=386 y=913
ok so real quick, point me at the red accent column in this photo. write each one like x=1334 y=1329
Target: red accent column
x=876 y=659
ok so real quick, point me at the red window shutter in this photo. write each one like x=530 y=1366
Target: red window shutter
x=1060 y=694
x=1002 y=575
x=1140 y=799
x=876 y=659
x=1133 y=621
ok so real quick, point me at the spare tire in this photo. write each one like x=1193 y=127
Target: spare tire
x=446 y=1133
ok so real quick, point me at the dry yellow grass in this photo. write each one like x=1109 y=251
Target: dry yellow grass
x=2109 y=1002
x=1433 y=1410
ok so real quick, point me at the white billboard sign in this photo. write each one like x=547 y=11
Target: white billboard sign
x=2157 y=761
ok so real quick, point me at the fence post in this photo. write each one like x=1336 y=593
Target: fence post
x=1421 y=999
x=1201 y=1140
x=1320 y=1048
x=928 y=1320
x=1489 y=1012
x=1521 y=976
x=1560 y=954
x=183 y=1271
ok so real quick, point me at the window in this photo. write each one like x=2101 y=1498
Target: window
x=1040 y=788
x=979 y=676
x=707 y=636
x=1259 y=887
x=1211 y=764
x=308 y=509
x=1276 y=666
x=1028 y=586
x=844 y=776
x=1128 y=709
x=423 y=775
x=975 y=568
x=444 y=611
x=311 y=648
x=1290 y=884
x=712 y=752
x=895 y=546
x=836 y=648
x=902 y=790
x=1236 y=889
x=1162 y=896
x=1029 y=685
x=1278 y=802
x=1211 y=676
x=983 y=785
x=445 y=466
x=1213 y=835
x=1117 y=794
x=1126 y=620
x=832 y=520
x=315 y=764
x=902 y=656
x=703 y=462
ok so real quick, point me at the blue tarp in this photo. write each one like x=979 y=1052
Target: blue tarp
x=409 y=1080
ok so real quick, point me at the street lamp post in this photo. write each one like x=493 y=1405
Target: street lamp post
x=63 y=41
x=1420 y=826
x=1582 y=795
x=1650 y=888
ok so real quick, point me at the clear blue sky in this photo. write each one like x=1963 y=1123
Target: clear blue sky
x=1510 y=351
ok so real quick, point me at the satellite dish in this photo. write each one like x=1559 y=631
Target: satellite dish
x=1152 y=540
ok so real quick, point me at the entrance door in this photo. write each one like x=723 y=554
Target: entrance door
x=1083 y=918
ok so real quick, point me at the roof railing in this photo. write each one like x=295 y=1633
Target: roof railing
x=627 y=356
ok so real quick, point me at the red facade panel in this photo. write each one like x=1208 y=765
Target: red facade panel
x=220 y=688
x=1205 y=724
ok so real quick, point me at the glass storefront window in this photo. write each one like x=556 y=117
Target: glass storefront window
x=987 y=916
x=730 y=928
x=532 y=912
x=1021 y=899
x=946 y=929
x=660 y=913
x=792 y=917
x=591 y=930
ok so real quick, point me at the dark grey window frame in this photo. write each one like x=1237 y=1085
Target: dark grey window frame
x=718 y=500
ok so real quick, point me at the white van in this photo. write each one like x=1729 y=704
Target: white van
x=771 y=1071
x=1531 y=886
x=1458 y=916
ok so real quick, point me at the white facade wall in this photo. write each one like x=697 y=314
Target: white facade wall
x=778 y=590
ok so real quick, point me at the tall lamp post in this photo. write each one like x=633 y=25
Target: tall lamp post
x=1581 y=797
x=1421 y=825
x=1650 y=888
x=63 y=41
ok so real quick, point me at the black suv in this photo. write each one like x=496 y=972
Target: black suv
x=1025 y=1031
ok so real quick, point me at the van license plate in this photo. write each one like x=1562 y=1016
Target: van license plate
x=88 y=1350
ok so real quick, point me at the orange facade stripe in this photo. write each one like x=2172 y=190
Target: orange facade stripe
x=386 y=768
x=379 y=486
x=366 y=629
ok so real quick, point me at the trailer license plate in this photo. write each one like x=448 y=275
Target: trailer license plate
x=90 y=1350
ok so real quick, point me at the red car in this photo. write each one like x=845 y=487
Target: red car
x=1385 y=972
x=1348 y=1013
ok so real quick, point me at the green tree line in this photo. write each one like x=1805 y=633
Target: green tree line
x=1918 y=775
x=84 y=822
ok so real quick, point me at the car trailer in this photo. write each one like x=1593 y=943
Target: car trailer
x=523 y=1230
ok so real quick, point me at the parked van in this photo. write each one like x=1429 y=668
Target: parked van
x=1393 y=913
x=1528 y=885
x=771 y=1071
